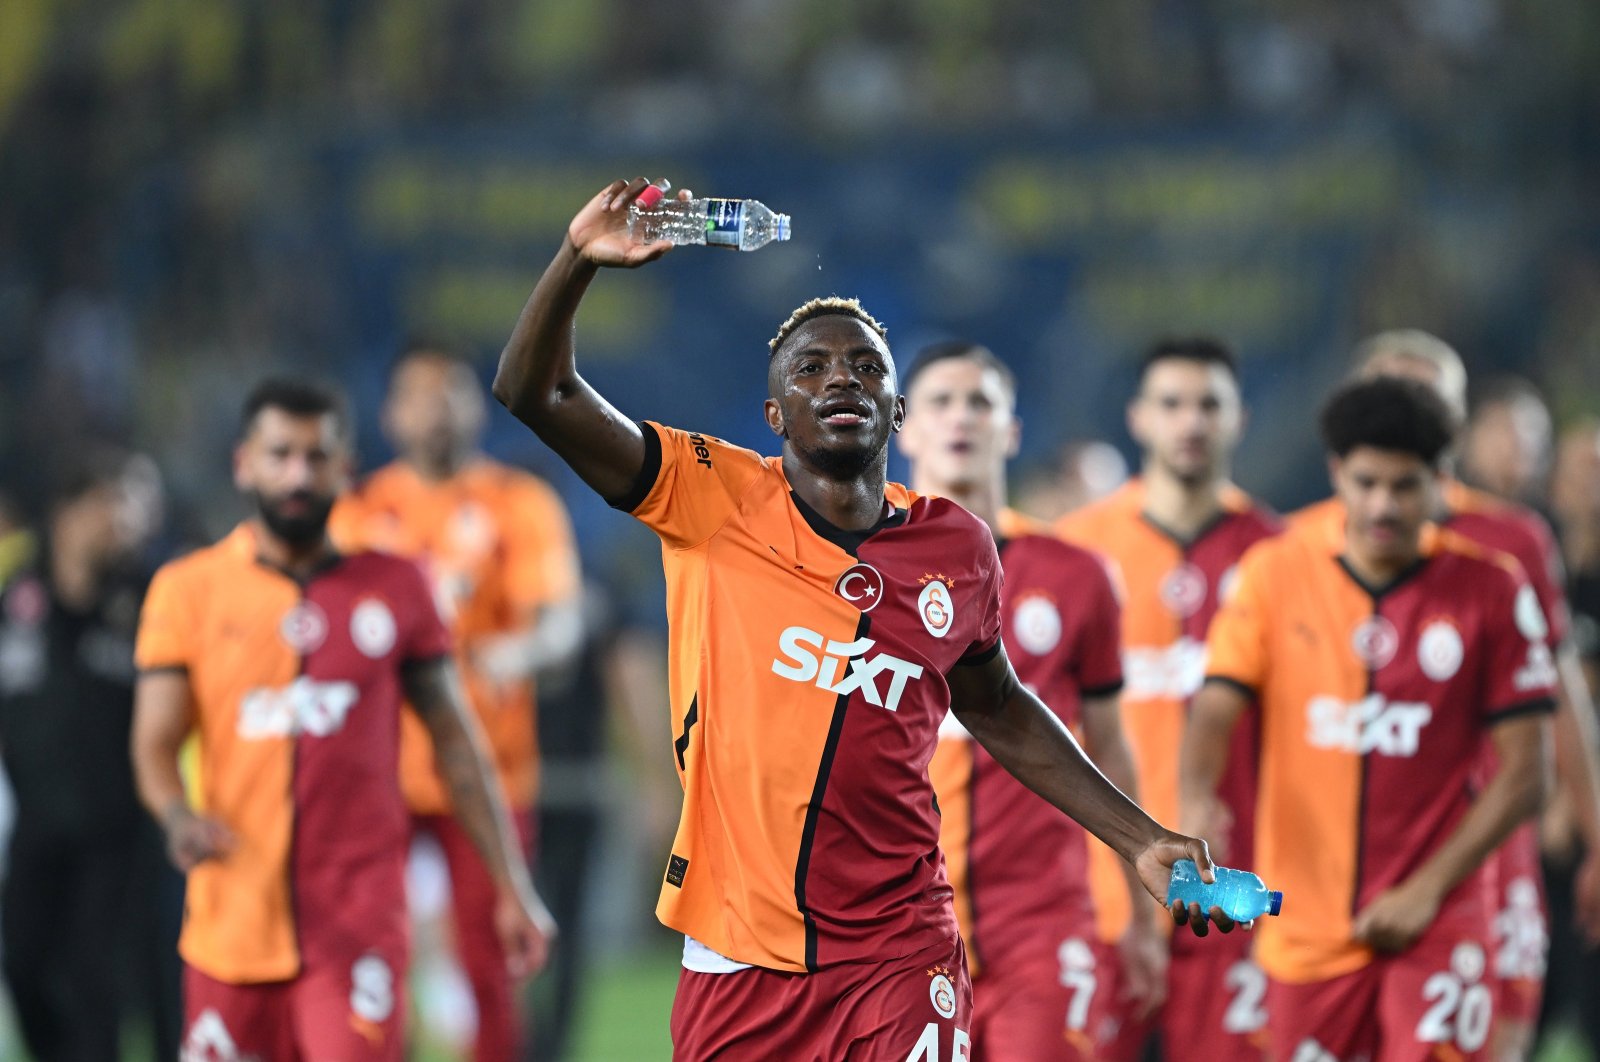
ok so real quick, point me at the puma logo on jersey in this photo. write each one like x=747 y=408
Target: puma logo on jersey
x=807 y=656
x=305 y=706
x=1372 y=724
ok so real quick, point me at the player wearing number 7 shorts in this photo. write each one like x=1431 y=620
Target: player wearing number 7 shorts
x=1020 y=870
x=1382 y=651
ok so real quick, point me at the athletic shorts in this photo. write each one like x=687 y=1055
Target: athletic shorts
x=1216 y=998
x=353 y=1014
x=1433 y=1001
x=1521 y=930
x=915 y=1009
x=1055 y=1004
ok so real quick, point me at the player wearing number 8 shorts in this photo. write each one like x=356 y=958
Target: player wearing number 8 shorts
x=1383 y=651
x=1019 y=870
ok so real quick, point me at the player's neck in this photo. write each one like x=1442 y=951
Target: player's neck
x=300 y=561
x=1182 y=508
x=853 y=504
x=1376 y=570
x=982 y=499
x=438 y=469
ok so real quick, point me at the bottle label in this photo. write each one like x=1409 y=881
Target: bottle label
x=724 y=222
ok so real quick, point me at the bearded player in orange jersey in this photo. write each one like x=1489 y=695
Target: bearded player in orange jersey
x=1174 y=536
x=497 y=546
x=823 y=623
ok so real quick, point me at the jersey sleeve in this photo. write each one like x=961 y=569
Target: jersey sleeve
x=166 y=636
x=689 y=485
x=1099 y=651
x=1236 y=645
x=1519 y=667
x=541 y=556
x=987 y=643
x=425 y=637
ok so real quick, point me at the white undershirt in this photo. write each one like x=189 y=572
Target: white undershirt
x=700 y=959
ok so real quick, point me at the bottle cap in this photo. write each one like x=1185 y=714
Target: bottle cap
x=649 y=197
x=783 y=227
x=1274 y=902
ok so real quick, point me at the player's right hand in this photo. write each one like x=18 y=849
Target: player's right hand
x=1154 y=865
x=600 y=231
x=526 y=929
x=192 y=838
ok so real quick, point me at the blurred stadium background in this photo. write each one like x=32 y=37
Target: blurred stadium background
x=195 y=192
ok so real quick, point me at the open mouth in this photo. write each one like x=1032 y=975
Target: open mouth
x=845 y=414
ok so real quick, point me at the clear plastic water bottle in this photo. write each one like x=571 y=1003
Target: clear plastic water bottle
x=1241 y=895
x=738 y=224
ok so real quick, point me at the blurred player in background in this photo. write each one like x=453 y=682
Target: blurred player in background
x=1499 y=524
x=497 y=545
x=1575 y=504
x=1505 y=447
x=824 y=621
x=1174 y=536
x=1019 y=868
x=1381 y=652
x=290 y=659
x=89 y=912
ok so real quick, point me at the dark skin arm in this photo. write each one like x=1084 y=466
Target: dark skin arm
x=523 y=922
x=1029 y=741
x=538 y=378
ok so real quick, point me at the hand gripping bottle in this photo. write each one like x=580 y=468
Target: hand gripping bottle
x=737 y=224
x=1241 y=895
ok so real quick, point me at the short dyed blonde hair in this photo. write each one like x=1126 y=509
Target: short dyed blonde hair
x=1416 y=345
x=822 y=307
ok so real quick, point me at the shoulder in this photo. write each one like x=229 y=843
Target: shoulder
x=1071 y=559
x=1459 y=556
x=510 y=484
x=1101 y=517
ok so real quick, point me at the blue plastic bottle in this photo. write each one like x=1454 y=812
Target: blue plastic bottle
x=1241 y=895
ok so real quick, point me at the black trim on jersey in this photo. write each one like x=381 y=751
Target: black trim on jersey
x=649 y=472
x=1187 y=542
x=1361 y=797
x=849 y=541
x=981 y=657
x=808 y=836
x=1223 y=680
x=1537 y=706
x=1377 y=593
x=680 y=745
x=411 y=662
x=1105 y=690
x=326 y=564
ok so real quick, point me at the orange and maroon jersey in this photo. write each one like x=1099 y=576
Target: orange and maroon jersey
x=497 y=545
x=1171 y=588
x=807 y=680
x=1019 y=867
x=1374 y=707
x=297 y=691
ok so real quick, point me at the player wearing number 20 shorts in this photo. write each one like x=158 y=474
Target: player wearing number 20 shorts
x=1382 y=650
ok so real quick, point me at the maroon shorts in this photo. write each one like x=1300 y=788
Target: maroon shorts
x=1521 y=930
x=1216 y=998
x=1056 y=1004
x=918 y=1007
x=1433 y=1001
x=355 y=1013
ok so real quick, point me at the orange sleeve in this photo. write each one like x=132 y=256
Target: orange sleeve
x=541 y=556
x=1236 y=646
x=166 y=624
x=689 y=485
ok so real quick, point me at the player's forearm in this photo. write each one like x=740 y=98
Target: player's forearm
x=537 y=368
x=478 y=807
x=1110 y=754
x=157 y=778
x=1578 y=746
x=1028 y=740
x=1513 y=795
x=1203 y=754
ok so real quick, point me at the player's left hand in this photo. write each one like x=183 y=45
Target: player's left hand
x=1586 y=896
x=526 y=929
x=1154 y=865
x=1144 y=963
x=1396 y=918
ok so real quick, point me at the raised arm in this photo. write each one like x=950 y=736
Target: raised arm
x=538 y=379
x=1027 y=739
x=523 y=922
